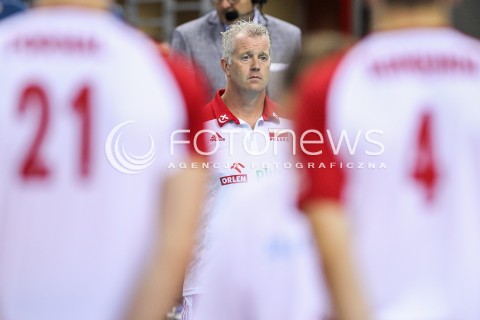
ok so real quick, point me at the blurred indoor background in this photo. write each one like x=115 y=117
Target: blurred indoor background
x=159 y=17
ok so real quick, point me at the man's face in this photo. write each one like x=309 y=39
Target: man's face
x=250 y=68
x=223 y=6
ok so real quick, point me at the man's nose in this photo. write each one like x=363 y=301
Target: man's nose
x=255 y=65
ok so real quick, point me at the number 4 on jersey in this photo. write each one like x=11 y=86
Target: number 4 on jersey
x=425 y=170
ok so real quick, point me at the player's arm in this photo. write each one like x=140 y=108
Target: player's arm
x=333 y=241
x=182 y=198
x=182 y=203
x=320 y=198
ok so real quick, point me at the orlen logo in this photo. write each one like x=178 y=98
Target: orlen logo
x=120 y=159
x=236 y=178
x=216 y=137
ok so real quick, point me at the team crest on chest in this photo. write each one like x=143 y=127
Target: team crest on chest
x=223 y=118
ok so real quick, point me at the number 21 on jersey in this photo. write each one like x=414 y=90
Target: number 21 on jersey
x=33 y=96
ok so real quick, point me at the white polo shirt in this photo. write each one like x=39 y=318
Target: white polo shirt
x=240 y=157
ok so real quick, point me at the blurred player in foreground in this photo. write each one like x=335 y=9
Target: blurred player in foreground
x=407 y=99
x=84 y=218
x=265 y=266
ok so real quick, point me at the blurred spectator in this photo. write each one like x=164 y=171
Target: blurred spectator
x=10 y=7
x=200 y=40
x=118 y=11
x=406 y=98
x=316 y=46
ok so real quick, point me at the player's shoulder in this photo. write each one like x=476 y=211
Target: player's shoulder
x=458 y=36
x=132 y=49
x=128 y=39
x=52 y=21
x=13 y=24
x=410 y=39
x=469 y=42
x=278 y=25
x=403 y=49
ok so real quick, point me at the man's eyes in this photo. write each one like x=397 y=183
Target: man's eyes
x=247 y=58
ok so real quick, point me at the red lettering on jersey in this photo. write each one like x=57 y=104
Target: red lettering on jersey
x=424 y=64
x=81 y=104
x=51 y=44
x=33 y=166
x=425 y=170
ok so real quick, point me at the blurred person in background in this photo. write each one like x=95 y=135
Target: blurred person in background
x=407 y=184
x=200 y=40
x=316 y=46
x=88 y=228
x=11 y=7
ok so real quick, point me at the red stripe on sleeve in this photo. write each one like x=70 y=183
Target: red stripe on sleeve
x=312 y=95
x=194 y=92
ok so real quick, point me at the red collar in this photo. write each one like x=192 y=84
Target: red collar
x=223 y=114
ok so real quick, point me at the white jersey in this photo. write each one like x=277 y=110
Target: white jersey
x=408 y=101
x=265 y=266
x=78 y=202
x=239 y=157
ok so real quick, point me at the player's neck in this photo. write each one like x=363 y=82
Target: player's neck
x=248 y=107
x=90 y=4
x=388 y=18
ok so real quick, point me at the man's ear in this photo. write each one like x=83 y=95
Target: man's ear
x=225 y=66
